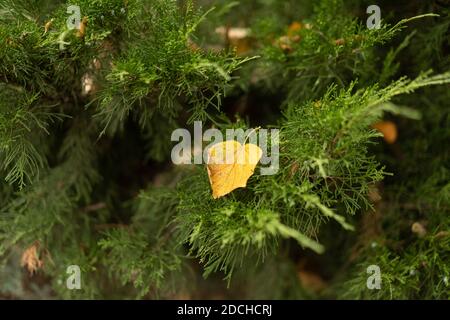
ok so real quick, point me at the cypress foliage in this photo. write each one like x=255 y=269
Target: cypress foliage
x=87 y=113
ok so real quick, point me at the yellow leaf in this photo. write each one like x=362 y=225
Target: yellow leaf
x=230 y=164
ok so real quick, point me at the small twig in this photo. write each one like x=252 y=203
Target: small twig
x=105 y=226
x=94 y=207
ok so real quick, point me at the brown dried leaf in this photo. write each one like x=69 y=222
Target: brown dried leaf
x=311 y=281
x=388 y=129
x=30 y=258
x=419 y=229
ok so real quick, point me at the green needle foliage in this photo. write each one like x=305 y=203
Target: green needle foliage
x=86 y=117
